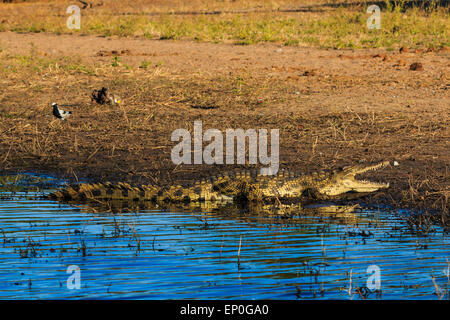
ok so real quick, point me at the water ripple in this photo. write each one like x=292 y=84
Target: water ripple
x=174 y=255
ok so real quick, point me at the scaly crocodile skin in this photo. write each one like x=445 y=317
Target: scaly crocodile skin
x=238 y=185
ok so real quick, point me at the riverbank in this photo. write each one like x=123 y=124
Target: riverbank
x=332 y=107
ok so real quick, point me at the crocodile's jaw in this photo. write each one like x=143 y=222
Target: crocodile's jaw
x=345 y=180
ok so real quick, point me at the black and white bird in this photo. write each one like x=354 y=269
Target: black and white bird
x=60 y=114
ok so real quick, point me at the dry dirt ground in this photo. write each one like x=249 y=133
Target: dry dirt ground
x=332 y=107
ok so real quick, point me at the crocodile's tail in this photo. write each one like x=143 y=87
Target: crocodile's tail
x=105 y=191
x=201 y=191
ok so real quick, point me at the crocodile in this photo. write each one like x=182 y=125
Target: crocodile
x=236 y=186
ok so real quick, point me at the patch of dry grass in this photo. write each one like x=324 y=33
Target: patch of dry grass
x=132 y=143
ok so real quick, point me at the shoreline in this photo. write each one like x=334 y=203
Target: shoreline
x=332 y=107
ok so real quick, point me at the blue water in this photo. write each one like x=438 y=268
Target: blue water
x=156 y=254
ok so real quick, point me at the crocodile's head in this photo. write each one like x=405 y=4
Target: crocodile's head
x=344 y=180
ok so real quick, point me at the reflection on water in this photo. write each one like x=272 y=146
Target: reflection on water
x=151 y=253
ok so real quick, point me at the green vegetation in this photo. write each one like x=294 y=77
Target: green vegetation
x=145 y=64
x=115 y=61
x=337 y=28
x=40 y=63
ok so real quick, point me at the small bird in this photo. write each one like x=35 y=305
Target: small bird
x=114 y=99
x=58 y=113
x=103 y=97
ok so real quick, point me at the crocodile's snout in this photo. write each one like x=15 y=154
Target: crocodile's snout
x=346 y=181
